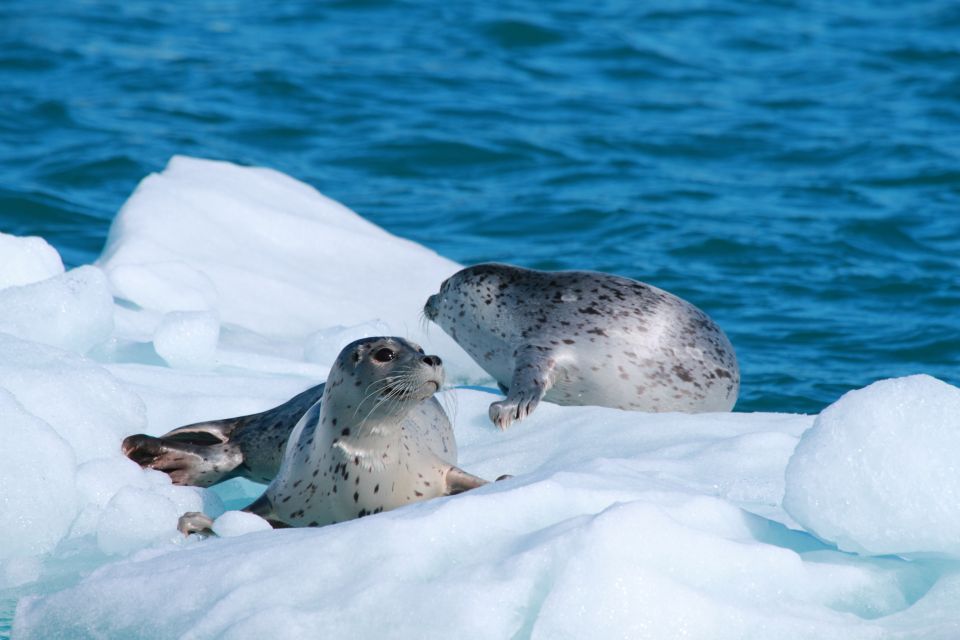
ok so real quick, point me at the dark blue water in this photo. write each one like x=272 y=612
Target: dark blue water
x=793 y=168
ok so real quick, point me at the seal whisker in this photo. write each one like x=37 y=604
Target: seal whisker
x=393 y=381
x=424 y=322
x=450 y=402
x=397 y=390
x=393 y=395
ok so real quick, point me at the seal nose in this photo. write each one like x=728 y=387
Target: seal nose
x=433 y=361
x=430 y=308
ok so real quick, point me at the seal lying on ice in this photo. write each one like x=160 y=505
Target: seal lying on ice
x=251 y=446
x=585 y=338
x=362 y=449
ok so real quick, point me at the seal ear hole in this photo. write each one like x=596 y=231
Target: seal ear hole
x=384 y=355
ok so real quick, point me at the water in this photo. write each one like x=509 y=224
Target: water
x=791 y=167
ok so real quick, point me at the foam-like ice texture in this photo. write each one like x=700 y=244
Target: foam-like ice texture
x=188 y=339
x=87 y=406
x=323 y=347
x=615 y=524
x=27 y=260
x=73 y=310
x=271 y=255
x=238 y=523
x=37 y=494
x=879 y=472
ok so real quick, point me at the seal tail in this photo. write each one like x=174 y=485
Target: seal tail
x=200 y=454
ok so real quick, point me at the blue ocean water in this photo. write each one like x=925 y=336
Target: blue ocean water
x=792 y=167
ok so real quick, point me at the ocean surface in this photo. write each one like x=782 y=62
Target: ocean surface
x=791 y=167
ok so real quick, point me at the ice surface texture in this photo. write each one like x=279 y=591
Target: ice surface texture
x=879 y=472
x=27 y=260
x=233 y=289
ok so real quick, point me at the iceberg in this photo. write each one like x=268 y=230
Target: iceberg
x=225 y=290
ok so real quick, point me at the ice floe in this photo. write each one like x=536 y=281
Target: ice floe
x=225 y=290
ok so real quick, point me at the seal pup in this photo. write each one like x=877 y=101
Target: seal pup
x=585 y=338
x=205 y=453
x=359 y=451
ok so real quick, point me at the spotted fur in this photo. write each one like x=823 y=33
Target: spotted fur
x=585 y=338
x=251 y=446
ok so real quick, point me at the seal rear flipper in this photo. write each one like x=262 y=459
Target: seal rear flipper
x=187 y=460
x=456 y=480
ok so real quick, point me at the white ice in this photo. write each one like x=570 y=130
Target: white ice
x=879 y=472
x=188 y=339
x=231 y=289
x=27 y=260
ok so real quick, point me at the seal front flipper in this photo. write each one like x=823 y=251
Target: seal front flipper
x=196 y=522
x=456 y=480
x=202 y=524
x=533 y=374
x=264 y=508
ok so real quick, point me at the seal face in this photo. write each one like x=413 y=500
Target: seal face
x=362 y=449
x=585 y=338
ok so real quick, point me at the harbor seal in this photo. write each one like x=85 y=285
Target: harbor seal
x=359 y=451
x=206 y=453
x=585 y=338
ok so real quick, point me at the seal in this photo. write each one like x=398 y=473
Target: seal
x=585 y=338
x=359 y=451
x=251 y=446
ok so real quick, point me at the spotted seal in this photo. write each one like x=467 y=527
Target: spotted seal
x=251 y=446
x=585 y=338
x=359 y=450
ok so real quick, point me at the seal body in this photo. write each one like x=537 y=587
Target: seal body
x=585 y=338
x=252 y=446
x=364 y=447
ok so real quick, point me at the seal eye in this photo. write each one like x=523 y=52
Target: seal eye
x=384 y=355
